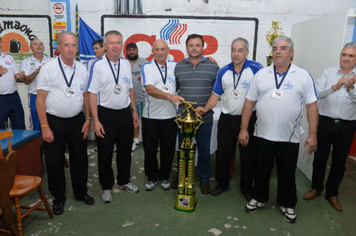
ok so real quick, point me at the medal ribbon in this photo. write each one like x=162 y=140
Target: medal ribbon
x=64 y=75
x=238 y=79
x=164 y=79
x=116 y=78
x=278 y=85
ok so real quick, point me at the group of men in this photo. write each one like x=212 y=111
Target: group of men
x=261 y=108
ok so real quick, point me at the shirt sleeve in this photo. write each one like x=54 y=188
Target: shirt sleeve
x=252 y=92
x=218 y=89
x=310 y=93
x=44 y=79
x=322 y=87
x=93 y=83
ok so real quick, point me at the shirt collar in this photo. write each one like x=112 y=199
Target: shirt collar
x=65 y=65
x=340 y=72
x=202 y=59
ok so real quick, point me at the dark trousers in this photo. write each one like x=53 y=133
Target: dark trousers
x=285 y=154
x=11 y=107
x=66 y=131
x=154 y=133
x=340 y=136
x=118 y=126
x=228 y=131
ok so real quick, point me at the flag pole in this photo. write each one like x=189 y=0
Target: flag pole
x=77 y=28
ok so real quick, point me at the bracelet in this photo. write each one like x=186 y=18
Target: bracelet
x=134 y=109
x=88 y=118
x=44 y=126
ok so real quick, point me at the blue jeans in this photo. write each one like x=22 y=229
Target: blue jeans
x=202 y=138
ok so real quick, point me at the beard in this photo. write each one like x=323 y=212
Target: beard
x=132 y=57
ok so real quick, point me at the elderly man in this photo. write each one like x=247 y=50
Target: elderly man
x=279 y=92
x=10 y=102
x=32 y=66
x=136 y=64
x=337 y=124
x=60 y=103
x=158 y=126
x=195 y=78
x=113 y=121
x=231 y=85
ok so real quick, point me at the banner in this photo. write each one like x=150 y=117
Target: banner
x=86 y=37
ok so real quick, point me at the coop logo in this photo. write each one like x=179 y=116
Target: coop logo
x=172 y=32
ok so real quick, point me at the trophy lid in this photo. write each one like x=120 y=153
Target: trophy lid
x=188 y=118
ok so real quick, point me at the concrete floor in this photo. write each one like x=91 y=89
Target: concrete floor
x=153 y=213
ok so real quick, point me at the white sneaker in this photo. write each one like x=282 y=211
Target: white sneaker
x=115 y=149
x=253 y=206
x=165 y=184
x=135 y=146
x=129 y=187
x=150 y=185
x=106 y=196
x=289 y=214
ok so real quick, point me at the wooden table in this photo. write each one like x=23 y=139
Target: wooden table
x=27 y=145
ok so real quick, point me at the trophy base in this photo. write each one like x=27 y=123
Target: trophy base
x=185 y=203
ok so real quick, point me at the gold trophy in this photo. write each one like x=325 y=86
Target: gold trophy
x=270 y=36
x=188 y=127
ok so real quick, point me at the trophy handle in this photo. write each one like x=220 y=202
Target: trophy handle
x=177 y=120
x=200 y=122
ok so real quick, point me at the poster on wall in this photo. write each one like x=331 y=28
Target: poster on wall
x=59 y=17
x=17 y=31
x=218 y=33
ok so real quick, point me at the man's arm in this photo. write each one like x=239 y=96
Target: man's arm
x=86 y=125
x=136 y=120
x=313 y=118
x=93 y=104
x=155 y=92
x=47 y=134
x=3 y=70
x=247 y=110
x=27 y=79
x=210 y=104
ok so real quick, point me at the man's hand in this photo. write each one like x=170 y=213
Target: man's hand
x=99 y=129
x=3 y=70
x=311 y=142
x=350 y=83
x=212 y=60
x=47 y=135
x=176 y=99
x=200 y=111
x=19 y=76
x=86 y=129
x=136 y=120
x=243 y=137
x=339 y=83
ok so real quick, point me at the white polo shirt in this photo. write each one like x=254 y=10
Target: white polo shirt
x=157 y=108
x=279 y=120
x=340 y=104
x=7 y=80
x=224 y=86
x=51 y=79
x=29 y=65
x=101 y=80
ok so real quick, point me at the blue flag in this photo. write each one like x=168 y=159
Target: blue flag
x=86 y=37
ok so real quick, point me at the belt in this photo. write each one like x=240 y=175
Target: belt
x=336 y=121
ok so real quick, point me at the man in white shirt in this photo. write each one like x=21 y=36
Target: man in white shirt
x=10 y=102
x=337 y=124
x=113 y=121
x=99 y=51
x=279 y=92
x=231 y=85
x=158 y=125
x=61 y=103
x=32 y=66
x=136 y=64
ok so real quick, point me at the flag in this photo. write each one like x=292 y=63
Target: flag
x=86 y=37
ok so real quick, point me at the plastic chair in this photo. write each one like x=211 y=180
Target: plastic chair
x=24 y=184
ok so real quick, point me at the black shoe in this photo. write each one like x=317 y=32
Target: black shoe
x=58 y=208
x=87 y=199
x=218 y=190
x=174 y=184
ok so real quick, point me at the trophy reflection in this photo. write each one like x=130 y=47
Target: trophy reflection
x=188 y=127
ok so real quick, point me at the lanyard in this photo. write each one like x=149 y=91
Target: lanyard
x=64 y=75
x=278 y=85
x=164 y=79
x=238 y=79
x=116 y=78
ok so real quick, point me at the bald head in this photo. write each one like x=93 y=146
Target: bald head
x=160 y=51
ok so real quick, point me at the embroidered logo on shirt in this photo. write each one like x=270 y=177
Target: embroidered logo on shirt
x=288 y=86
x=125 y=79
x=170 y=79
x=245 y=84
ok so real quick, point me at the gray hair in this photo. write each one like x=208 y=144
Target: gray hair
x=350 y=45
x=241 y=40
x=112 y=32
x=65 y=33
x=284 y=38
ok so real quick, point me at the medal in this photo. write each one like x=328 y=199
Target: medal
x=117 y=89
x=69 y=92
x=165 y=88
x=234 y=94
x=276 y=94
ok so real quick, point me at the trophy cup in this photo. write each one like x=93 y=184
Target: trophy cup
x=270 y=36
x=188 y=126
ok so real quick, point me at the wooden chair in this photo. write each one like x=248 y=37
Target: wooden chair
x=7 y=177
x=23 y=185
